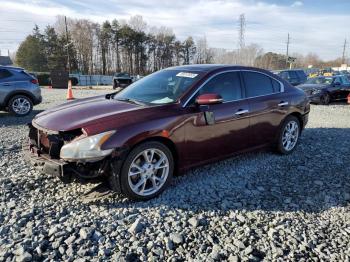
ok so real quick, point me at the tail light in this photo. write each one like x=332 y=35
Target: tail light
x=34 y=81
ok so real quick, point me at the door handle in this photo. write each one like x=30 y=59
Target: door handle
x=283 y=104
x=241 y=112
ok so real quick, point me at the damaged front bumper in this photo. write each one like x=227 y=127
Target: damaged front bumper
x=42 y=148
x=44 y=163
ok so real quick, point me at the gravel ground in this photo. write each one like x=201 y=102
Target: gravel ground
x=258 y=206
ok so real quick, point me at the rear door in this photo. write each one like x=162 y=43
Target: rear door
x=230 y=132
x=268 y=105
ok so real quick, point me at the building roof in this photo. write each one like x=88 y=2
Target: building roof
x=5 y=60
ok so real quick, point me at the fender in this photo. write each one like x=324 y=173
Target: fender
x=19 y=92
x=134 y=134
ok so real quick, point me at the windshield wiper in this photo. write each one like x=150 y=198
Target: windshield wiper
x=130 y=101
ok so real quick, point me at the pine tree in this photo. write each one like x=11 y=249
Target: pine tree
x=31 y=55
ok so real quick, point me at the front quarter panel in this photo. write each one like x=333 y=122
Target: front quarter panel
x=128 y=136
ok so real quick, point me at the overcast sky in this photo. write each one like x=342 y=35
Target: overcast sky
x=314 y=26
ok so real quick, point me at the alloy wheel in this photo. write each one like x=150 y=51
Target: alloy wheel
x=148 y=172
x=21 y=106
x=325 y=99
x=290 y=135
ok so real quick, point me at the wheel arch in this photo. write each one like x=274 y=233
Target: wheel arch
x=16 y=93
x=165 y=141
x=299 y=117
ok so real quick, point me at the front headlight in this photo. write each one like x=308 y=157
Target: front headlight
x=315 y=91
x=87 y=148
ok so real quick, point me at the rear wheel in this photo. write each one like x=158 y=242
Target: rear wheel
x=147 y=171
x=20 y=105
x=289 y=135
x=325 y=99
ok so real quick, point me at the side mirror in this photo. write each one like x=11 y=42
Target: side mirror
x=209 y=99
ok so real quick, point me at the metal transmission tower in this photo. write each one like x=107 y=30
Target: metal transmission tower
x=241 y=41
x=343 y=56
x=241 y=31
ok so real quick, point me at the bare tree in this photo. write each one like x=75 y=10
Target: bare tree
x=204 y=54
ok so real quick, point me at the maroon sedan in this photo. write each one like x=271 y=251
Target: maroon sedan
x=167 y=122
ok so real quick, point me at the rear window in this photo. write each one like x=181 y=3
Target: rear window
x=301 y=74
x=24 y=73
x=276 y=85
x=284 y=75
x=293 y=74
x=258 y=84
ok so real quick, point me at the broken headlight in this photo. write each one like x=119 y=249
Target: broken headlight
x=86 y=148
x=315 y=91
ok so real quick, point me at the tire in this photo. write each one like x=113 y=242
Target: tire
x=149 y=181
x=20 y=105
x=282 y=145
x=325 y=99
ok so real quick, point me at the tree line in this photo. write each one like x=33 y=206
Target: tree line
x=114 y=46
x=133 y=46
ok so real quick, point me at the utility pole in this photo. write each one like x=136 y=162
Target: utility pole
x=344 y=48
x=68 y=60
x=288 y=41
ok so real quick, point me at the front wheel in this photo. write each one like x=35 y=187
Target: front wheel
x=288 y=135
x=147 y=171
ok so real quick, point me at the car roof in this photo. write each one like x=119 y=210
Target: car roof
x=12 y=68
x=288 y=70
x=212 y=67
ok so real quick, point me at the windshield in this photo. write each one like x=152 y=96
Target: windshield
x=162 y=87
x=320 y=80
x=122 y=75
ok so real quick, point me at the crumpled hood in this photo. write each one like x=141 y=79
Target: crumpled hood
x=82 y=112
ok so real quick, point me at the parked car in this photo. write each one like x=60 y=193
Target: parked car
x=121 y=80
x=19 y=90
x=166 y=123
x=323 y=89
x=293 y=76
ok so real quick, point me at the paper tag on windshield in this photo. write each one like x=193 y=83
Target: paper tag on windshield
x=187 y=74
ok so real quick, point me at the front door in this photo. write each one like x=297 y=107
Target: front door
x=5 y=86
x=230 y=131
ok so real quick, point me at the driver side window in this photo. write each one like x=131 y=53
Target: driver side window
x=227 y=85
